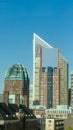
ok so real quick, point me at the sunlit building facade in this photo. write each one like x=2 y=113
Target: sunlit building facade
x=64 y=80
x=71 y=103
x=43 y=88
x=56 y=91
x=48 y=67
x=30 y=96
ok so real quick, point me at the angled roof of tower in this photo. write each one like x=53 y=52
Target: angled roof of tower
x=16 y=71
x=40 y=41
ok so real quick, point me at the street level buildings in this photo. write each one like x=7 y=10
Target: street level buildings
x=61 y=112
x=54 y=124
x=55 y=118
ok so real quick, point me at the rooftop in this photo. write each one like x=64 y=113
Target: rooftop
x=16 y=71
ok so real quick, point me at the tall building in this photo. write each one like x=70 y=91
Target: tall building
x=43 y=88
x=16 y=81
x=1 y=97
x=50 y=74
x=69 y=96
x=50 y=86
x=72 y=89
x=64 y=79
x=30 y=96
x=56 y=91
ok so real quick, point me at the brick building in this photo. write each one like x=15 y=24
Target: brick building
x=16 y=81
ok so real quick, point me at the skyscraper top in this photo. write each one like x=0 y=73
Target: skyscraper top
x=16 y=71
x=40 y=41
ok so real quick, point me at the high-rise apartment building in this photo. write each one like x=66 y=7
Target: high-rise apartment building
x=16 y=81
x=43 y=88
x=50 y=74
x=30 y=96
x=63 y=80
x=56 y=91
x=71 y=89
x=69 y=96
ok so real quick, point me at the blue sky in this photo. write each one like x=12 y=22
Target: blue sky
x=19 y=19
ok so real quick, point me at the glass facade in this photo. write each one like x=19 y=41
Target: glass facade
x=50 y=57
x=50 y=84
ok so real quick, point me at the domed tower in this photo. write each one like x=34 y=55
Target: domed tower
x=16 y=81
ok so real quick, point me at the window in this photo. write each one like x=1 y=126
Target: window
x=49 y=120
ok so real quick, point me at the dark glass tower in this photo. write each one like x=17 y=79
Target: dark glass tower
x=50 y=84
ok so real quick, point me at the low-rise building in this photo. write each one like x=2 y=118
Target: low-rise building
x=61 y=112
x=54 y=124
x=55 y=117
x=39 y=112
x=14 y=117
x=68 y=123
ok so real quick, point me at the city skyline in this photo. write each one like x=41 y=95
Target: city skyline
x=51 y=20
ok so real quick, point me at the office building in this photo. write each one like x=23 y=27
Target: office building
x=43 y=88
x=16 y=81
x=72 y=89
x=30 y=96
x=64 y=80
x=50 y=74
x=69 y=96
x=56 y=91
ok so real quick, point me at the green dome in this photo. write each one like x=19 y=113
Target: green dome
x=16 y=71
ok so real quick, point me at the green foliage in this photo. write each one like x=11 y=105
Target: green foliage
x=69 y=128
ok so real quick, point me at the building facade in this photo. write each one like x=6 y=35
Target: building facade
x=49 y=64
x=56 y=88
x=61 y=112
x=54 y=124
x=64 y=79
x=43 y=88
x=1 y=97
x=69 y=96
x=16 y=81
x=71 y=90
x=30 y=96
